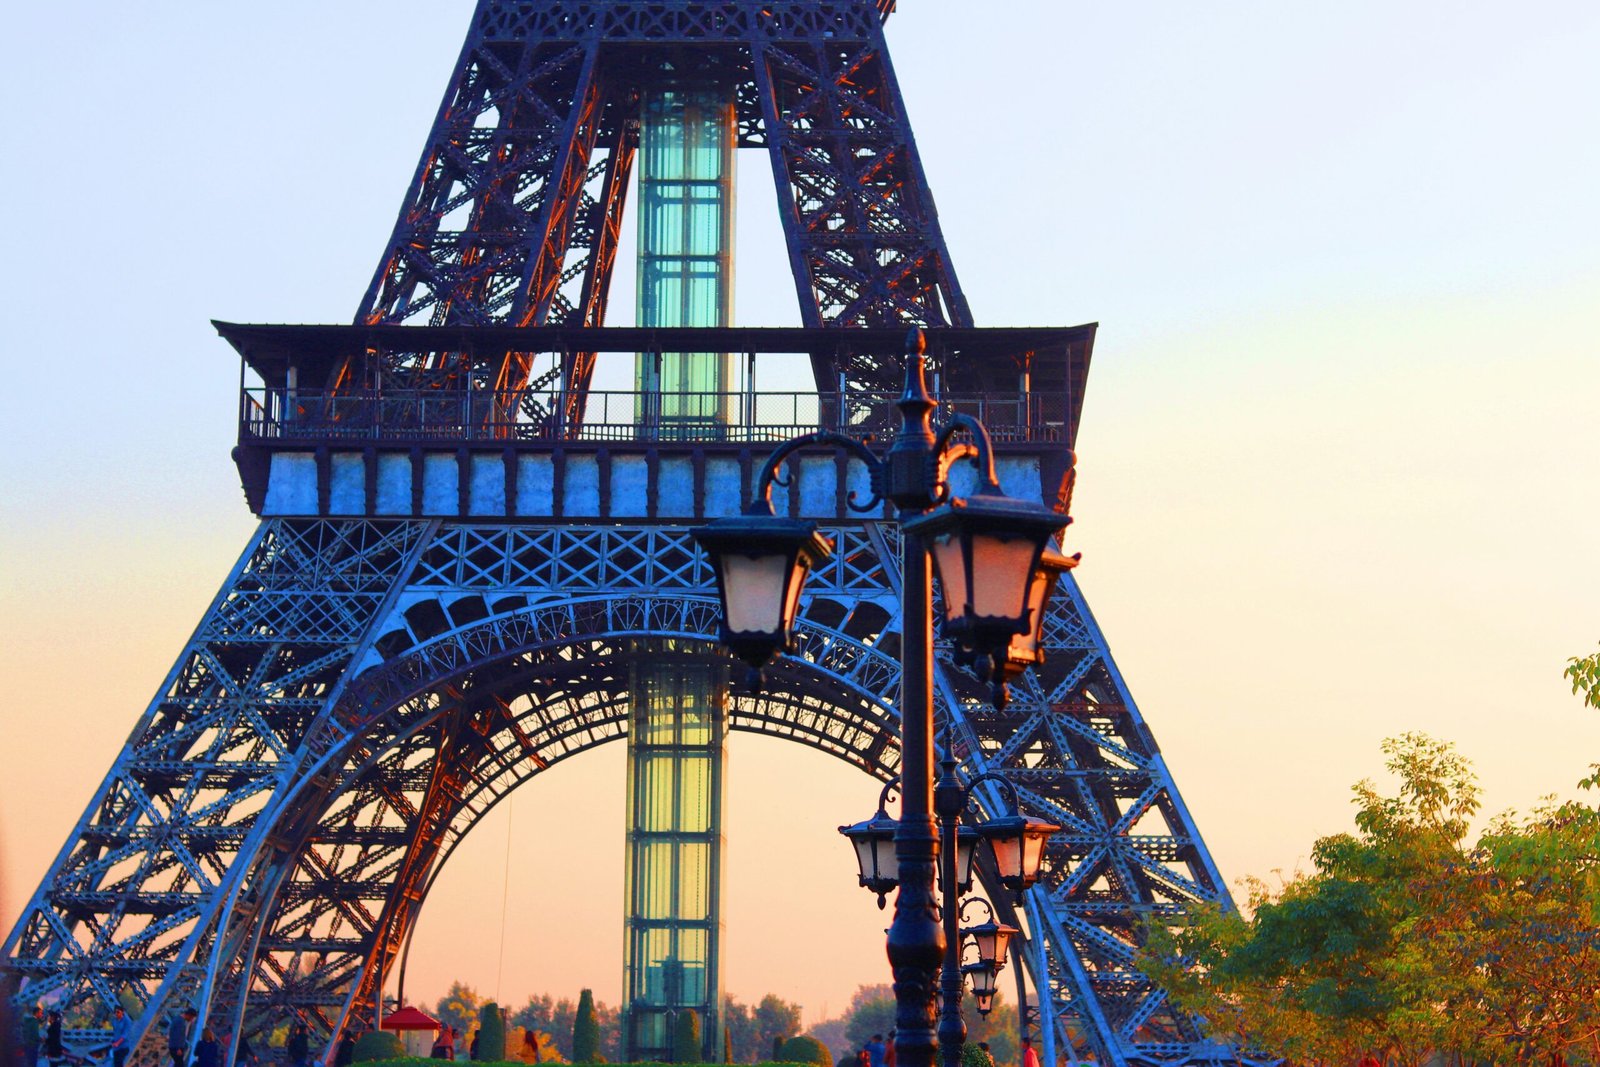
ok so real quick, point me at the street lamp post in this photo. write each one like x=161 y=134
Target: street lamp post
x=987 y=548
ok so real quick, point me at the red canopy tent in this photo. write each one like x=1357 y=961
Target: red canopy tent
x=408 y=1018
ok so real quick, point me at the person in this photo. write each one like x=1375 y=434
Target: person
x=888 y=1051
x=30 y=1035
x=347 y=1049
x=1030 y=1058
x=121 y=1028
x=207 y=1053
x=178 y=1036
x=298 y=1046
x=863 y=1058
x=472 y=1049
x=530 y=1046
x=874 y=1050
x=245 y=1056
x=54 y=1050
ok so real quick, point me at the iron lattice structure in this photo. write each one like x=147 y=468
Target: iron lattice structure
x=437 y=607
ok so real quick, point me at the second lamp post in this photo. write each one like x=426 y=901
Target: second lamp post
x=987 y=549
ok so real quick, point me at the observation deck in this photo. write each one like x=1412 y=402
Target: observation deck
x=503 y=422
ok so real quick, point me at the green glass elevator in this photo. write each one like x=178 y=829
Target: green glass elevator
x=686 y=146
x=676 y=759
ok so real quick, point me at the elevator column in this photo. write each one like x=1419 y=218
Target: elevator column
x=676 y=760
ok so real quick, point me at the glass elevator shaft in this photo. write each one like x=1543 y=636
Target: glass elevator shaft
x=676 y=760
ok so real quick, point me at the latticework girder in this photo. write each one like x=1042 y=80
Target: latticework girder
x=363 y=691
x=472 y=657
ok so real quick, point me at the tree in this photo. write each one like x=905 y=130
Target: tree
x=999 y=1029
x=586 y=1031
x=610 y=1020
x=542 y=1050
x=1325 y=969
x=871 y=1011
x=686 y=1038
x=491 y=1047
x=775 y=1020
x=1406 y=939
x=739 y=1024
x=553 y=1017
x=1533 y=942
x=459 y=1008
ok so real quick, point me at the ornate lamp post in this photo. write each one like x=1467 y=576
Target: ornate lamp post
x=988 y=547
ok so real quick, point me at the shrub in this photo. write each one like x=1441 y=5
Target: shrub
x=973 y=1056
x=378 y=1045
x=586 y=1031
x=491 y=1034
x=805 y=1049
x=686 y=1038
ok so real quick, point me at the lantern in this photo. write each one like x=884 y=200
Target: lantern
x=1018 y=845
x=875 y=853
x=761 y=563
x=966 y=851
x=986 y=548
x=992 y=940
x=984 y=980
x=1024 y=650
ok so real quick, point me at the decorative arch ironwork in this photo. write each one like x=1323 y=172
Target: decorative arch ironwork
x=478 y=682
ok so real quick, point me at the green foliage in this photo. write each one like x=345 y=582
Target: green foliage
x=775 y=1019
x=999 y=1030
x=519 y=1047
x=1584 y=674
x=871 y=1011
x=379 y=1045
x=973 y=1056
x=491 y=1046
x=586 y=1031
x=686 y=1038
x=804 y=1049
x=1407 y=938
x=459 y=1008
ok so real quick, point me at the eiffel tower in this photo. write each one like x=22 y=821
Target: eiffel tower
x=469 y=557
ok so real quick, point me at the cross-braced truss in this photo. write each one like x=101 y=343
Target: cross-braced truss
x=362 y=693
x=363 y=690
x=513 y=214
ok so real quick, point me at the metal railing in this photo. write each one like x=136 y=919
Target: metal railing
x=280 y=414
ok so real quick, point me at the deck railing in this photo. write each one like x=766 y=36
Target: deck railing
x=280 y=414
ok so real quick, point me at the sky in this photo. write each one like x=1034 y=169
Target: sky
x=1337 y=467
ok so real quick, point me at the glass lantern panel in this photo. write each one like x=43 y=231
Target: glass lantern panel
x=1033 y=855
x=887 y=859
x=948 y=559
x=1007 y=856
x=1001 y=570
x=966 y=848
x=1025 y=646
x=754 y=589
x=865 y=855
x=797 y=582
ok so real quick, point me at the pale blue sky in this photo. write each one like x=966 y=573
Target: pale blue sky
x=1339 y=455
